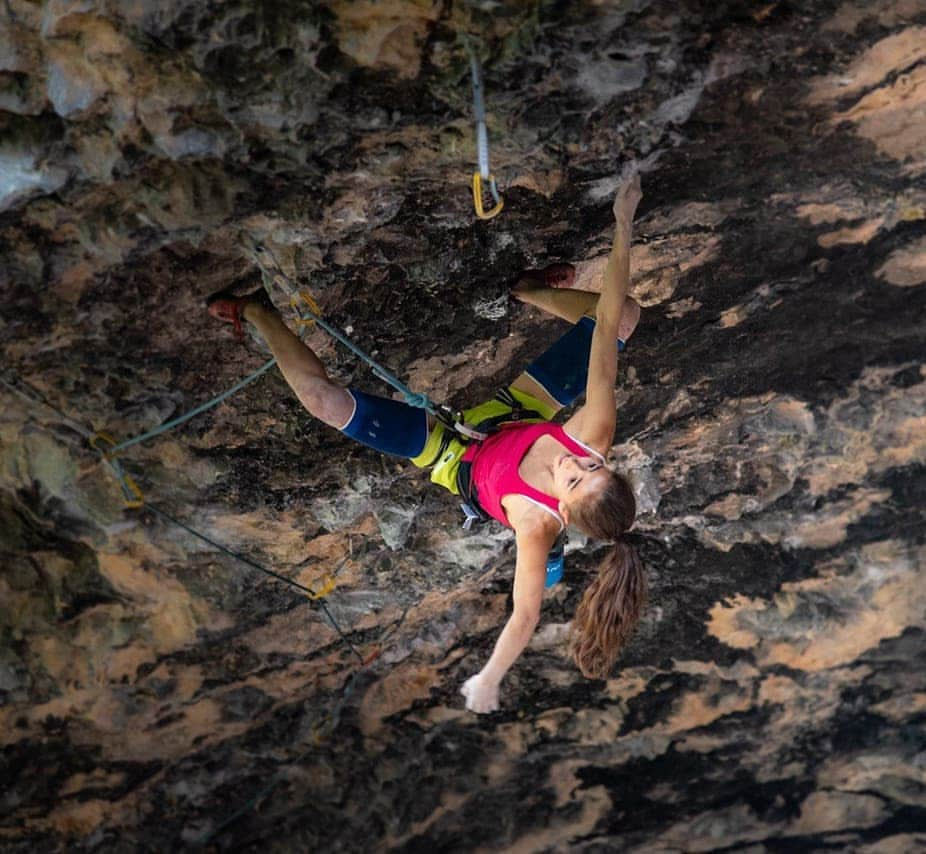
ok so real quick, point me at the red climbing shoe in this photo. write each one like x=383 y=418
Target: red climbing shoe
x=552 y=276
x=229 y=308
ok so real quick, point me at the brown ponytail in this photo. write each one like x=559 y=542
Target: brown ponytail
x=612 y=602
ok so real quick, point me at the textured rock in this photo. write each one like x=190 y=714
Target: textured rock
x=158 y=694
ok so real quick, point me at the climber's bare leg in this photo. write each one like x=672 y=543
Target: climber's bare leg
x=566 y=303
x=526 y=383
x=301 y=368
x=571 y=304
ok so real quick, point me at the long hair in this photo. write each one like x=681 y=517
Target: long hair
x=613 y=600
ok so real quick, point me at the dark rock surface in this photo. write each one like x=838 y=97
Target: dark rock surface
x=158 y=695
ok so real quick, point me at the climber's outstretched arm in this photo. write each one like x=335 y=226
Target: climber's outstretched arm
x=594 y=423
x=481 y=690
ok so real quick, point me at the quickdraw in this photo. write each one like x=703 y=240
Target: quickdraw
x=484 y=174
x=131 y=492
x=327 y=586
x=309 y=300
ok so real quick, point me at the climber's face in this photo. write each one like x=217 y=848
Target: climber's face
x=577 y=479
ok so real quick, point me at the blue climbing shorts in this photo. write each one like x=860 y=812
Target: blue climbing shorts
x=394 y=427
x=562 y=369
x=386 y=425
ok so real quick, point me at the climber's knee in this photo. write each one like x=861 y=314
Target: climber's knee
x=562 y=370
x=326 y=400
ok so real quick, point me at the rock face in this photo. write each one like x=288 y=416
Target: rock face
x=158 y=694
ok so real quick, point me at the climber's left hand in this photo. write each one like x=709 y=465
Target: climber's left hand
x=481 y=694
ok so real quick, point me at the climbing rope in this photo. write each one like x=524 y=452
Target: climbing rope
x=33 y=395
x=115 y=447
x=131 y=492
x=314 y=595
x=308 y=312
x=106 y=446
x=176 y=422
x=483 y=173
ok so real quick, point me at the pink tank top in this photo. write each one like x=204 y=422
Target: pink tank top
x=496 y=461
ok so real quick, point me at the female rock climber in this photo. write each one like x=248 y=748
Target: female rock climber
x=532 y=475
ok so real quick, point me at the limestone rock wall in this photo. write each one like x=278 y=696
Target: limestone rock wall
x=159 y=695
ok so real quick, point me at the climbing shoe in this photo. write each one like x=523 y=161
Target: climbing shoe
x=227 y=307
x=553 y=275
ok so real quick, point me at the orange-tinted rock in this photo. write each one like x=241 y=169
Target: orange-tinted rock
x=158 y=693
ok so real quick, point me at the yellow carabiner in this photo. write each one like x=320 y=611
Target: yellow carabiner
x=309 y=300
x=326 y=588
x=100 y=435
x=130 y=487
x=477 y=199
x=131 y=491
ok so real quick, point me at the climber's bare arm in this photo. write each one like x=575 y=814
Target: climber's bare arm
x=533 y=544
x=594 y=423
